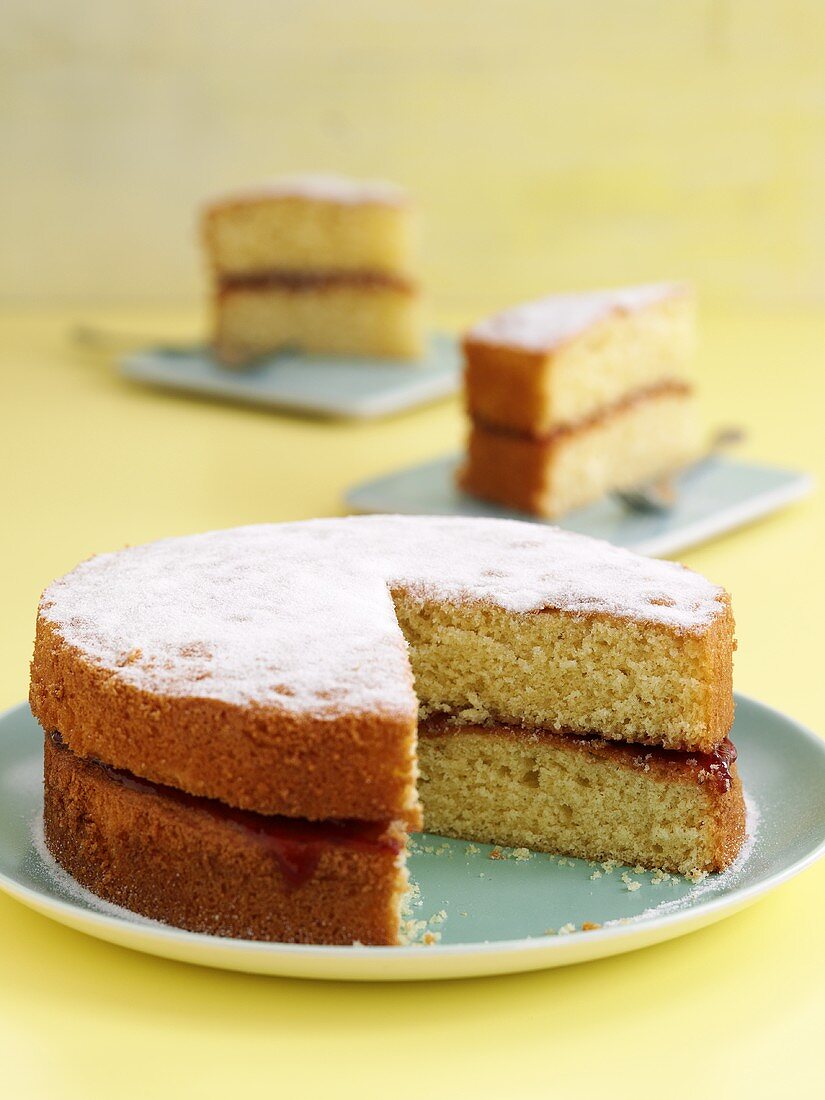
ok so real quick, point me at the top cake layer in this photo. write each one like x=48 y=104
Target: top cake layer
x=565 y=360
x=544 y=325
x=272 y=667
x=312 y=223
x=300 y=615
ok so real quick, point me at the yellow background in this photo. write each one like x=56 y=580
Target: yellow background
x=552 y=142
x=552 y=145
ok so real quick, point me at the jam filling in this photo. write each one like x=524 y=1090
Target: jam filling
x=711 y=768
x=295 y=843
x=313 y=280
x=629 y=401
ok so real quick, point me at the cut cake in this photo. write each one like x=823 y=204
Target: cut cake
x=236 y=721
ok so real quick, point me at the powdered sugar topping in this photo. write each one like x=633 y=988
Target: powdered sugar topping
x=548 y=322
x=323 y=188
x=301 y=615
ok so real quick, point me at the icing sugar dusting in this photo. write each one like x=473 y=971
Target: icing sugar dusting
x=70 y=887
x=301 y=615
x=548 y=322
x=324 y=188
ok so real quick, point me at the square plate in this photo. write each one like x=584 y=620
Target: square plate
x=716 y=495
x=330 y=386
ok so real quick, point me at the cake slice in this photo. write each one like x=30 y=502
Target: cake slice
x=576 y=395
x=318 y=263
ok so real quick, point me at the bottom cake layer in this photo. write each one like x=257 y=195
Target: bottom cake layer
x=582 y=796
x=633 y=443
x=198 y=864
x=201 y=865
x=340 y=317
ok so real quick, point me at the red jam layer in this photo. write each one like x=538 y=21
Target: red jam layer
x=713 y=768
x=623 y=404
x=295 y=843
x=313 y=280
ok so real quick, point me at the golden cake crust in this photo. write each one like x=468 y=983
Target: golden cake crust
x=337 y=767
x=190 y=868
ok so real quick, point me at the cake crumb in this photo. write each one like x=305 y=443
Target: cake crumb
x=429 y=938
x=566 y=929
x=412 y=899
x=633 y=886
x=695 y=875
x=639 y=870
x=497 y=853
x=439 y=917
x=595 y=875
x=522 y=854
x=411 y=930
x=471 y=850
x=590 y=926
x=609 y=866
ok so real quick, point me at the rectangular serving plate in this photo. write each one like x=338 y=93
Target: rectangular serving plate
x=717 y=495
x=345 y=387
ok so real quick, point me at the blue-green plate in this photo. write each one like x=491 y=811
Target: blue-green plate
x=487 y=916
x=342 y=386
x=714 y=496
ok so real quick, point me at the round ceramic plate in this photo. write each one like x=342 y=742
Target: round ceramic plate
x=471 y=914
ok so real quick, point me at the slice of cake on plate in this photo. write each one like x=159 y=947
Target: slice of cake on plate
x=576 y=395
x=318 y=263
x=242 y=726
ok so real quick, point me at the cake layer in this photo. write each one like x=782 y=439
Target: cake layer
x=582 y=797
x=323 y=313
x=271 y=667
x=563 y=359
x=313 y=223
x=571 y=673
x=269 y=758
x=197 y=864
x=645 y=437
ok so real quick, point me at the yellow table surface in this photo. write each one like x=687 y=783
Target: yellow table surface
x=91 y=463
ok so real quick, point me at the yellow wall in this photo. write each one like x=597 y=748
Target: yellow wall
x=552 y=142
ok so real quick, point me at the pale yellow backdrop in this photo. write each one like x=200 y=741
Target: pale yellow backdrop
x=552 y=142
